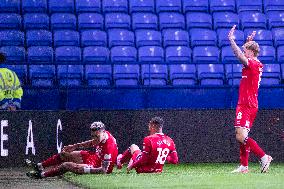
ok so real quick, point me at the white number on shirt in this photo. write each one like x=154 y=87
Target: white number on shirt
x=162 y=156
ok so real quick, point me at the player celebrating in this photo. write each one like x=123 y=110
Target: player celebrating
x=157 y=148
x=100 y=161
x=248 y=104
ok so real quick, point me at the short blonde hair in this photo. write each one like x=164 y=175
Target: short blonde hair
x=253 y=46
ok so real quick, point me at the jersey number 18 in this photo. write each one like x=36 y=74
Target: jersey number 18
x=162 y=156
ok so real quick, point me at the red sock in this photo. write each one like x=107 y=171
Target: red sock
x=53 y=160
x=254 y=147
x=126 y=156
x=53 y=172
x=244 y=154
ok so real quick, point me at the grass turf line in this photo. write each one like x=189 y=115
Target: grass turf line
x=205 y=175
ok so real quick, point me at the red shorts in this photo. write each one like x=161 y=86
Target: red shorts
x=144 y=168
x=91 y=158
x=245 y=116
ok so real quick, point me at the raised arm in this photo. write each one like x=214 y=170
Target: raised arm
x=72 y=147
x=237 y=51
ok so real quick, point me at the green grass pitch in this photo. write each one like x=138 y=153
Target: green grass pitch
x=205 y=175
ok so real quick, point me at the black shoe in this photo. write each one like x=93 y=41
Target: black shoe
x=34 y=174
x=33 y=165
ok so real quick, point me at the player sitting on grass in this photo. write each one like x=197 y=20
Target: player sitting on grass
x=248 y=103
x=101 y=160
x=157 y=148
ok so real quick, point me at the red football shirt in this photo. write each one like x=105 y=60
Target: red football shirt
x=158 y=146
x=251 y=76
x=107 y=150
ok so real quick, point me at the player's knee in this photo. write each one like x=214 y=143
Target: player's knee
x=133 y=148
x=66 y=166
x=240 y=138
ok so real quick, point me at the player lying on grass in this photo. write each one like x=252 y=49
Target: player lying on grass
x=157 y=148
x=100 y=161
x=248 y=103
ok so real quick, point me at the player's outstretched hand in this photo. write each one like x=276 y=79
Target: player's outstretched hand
x=128 y=169
x=231 y=33
x=251 y=36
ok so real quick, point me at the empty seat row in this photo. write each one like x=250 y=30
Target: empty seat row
x=146 y=74
x=142 y=20
x=122 y=37
x=124 y=54
x=138 y=5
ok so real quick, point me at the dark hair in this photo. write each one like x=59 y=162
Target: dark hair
x=97 y=125
x=157 y=121
x=2 y=57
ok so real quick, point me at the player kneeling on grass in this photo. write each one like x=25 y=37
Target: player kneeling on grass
x=157 y=148
x=100 y=161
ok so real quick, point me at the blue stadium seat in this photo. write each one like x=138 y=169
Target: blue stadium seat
x=278 y=36
x=144 y=21
x=262 y=37
x=203 y=37
x=94 y=54
x=267 y=54
x=168 y=5
x=171 y=20
x=198 y=20
x=14 y=54
x=148 y=38
x=63 y=6
x=271 y=74
x=36 y=21
x=228 y=56
x=211 y=74
x=10 y=21
x=117 y=20
x=280 y=55
x=282 y=70
x=68 y=54
x=126 y=75
x=70 y=75
x=38 y=38
x=178 y=54
x=93 y=38
x=115 y=6
x=66 y=38
x=11 y=37
x=183 y=74
x=20 y=70
x=42 y=75
x=63 y=21
x=141 y=6
x=151 y=54
x=222 y=5
x=34 y=6
x=40 y=54
x=90 y=21
x=275 y=19
x=223 y=37
x=252 y=19
x=205 y=54
x=176 y=37
x=98 y=75
x=225 y=20
x=120 y=37
x=154 y=74
x=83 y=6
x=194 y=5
x=244 y=5
x=273 y=5
x=234 y=73
x=123 y=54
x=10 y=6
